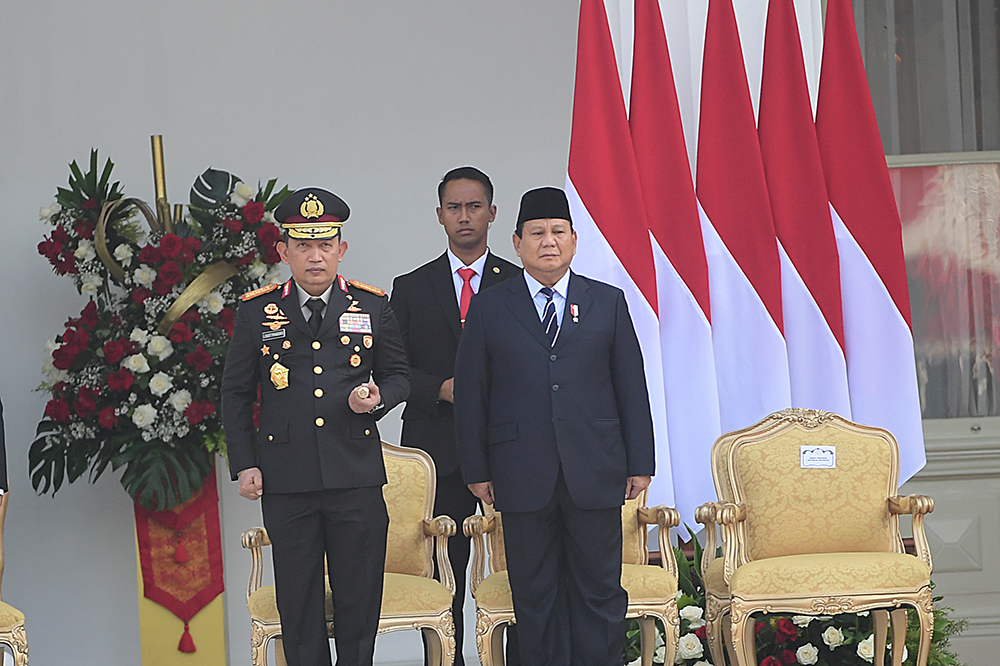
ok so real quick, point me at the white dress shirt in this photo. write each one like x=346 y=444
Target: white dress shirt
x=479 y=265
x=561 y=288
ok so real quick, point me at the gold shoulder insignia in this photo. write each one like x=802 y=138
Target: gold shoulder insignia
x=366 y=287
x=259 y=292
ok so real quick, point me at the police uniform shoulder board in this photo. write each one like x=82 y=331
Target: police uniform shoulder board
x=259 y=292
x=366 y=287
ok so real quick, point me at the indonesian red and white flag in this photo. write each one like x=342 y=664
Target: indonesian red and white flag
x=881 y=370
x=690 y=387
x=608 y=214
x=810 y=271
x=743 y=263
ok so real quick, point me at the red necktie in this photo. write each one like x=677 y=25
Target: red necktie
x=463 y=302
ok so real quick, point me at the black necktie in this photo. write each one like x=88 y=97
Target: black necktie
x=316 y=305
x=549 y=320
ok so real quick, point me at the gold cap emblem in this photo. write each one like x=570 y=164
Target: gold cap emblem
x=311 y=208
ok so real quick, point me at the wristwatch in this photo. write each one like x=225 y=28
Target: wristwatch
x=377 y=408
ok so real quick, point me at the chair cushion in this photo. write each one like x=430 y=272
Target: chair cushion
x=715 y=578
x=9 y=616
x=829 y=574
x=643 y=583
x=401 y=595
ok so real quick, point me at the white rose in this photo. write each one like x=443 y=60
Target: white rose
x=690 y=647
x=45 y=213
x=144 y=275
x=702 y=663
x=691 y=613
x=160 y=383
x=866 y=649
x=123 y=253
x=139 y=335
x=863 y=614
x=659 y=655
x=241 y=194
x=905 y=653
x=51 y=372
x=833 y=637
x=89 y=284
x=637 y=662
x=269 y=218
x=159 y=347
x=144 y=415
x=214 y=302
x=51 y=345
x=137 y=363
x=257 y=270
x=85 y=250
x=275 y=274
x=807 y=654
x=180 y=400
x=802 y=620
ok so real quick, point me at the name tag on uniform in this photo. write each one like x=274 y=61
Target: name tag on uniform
x=354 y=322
x=271 y=335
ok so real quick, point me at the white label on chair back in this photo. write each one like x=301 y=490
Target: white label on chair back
x=818 y=457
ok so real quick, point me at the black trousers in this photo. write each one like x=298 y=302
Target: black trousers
x=454 y=499
x=348 y=527
x=565 y=567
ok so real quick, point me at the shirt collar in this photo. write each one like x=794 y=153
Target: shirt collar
x=479 y=265
x=561 y=287
x=304 y=295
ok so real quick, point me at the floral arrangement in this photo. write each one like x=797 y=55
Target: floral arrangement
x=811 y=640
x=134 y=380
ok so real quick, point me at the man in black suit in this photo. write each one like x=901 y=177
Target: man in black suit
x=430 y=304
x=328 y=359
x=554 y=428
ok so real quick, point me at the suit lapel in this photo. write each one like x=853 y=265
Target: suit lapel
x=493 y=272
x=523 y=308
x=444 y=291
x=579 y=295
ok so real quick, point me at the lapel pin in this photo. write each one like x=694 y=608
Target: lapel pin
x=574 y=310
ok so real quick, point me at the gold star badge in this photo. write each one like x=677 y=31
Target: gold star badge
x=265 y=350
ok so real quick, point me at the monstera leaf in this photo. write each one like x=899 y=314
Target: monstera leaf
x=210 y=190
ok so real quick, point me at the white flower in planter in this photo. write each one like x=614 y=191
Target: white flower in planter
x=690 y=647
x=85 y=250
x=160 y=383
x=90 y=283
x=866 y=648
x=160 y=347
x=144 y=275
x=144 y=415
x=214 y=302
x=241 y=194
x=123 y=253
x=808 y=654
x=833 y=637
x=180 y=400
x=137 y=363
x=905 y=653
x=45 y=213
x=139 y=335
x=802 y=620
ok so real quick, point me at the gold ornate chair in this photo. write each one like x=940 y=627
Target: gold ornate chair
x=11 y=620
x=821 y=537
x=411 y=598
x=652 y=591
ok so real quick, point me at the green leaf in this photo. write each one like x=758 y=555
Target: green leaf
x=276 y=200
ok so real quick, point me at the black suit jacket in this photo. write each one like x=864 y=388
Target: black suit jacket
x=310 y=439
x=425 y=306
x=523 y=410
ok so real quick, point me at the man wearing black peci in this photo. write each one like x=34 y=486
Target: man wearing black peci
x=430 y=304
x=328 y=359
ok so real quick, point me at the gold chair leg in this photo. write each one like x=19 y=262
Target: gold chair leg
x=926 y=616
x=742 y=627
x=647 y=640
x=714 y=630
x=486 y=637
x=671 y=636
x=898 y=635
x=880 y=620
x=440 y=641
x=434 y=651
x=727 y=635
x=17 y=642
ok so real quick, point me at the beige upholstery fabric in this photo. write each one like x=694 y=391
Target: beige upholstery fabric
x=9 y=616
x=714 y=578
x=633 y=539
x=407 y=549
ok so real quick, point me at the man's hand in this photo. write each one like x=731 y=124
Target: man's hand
x=483 y=491
x=251 y=483
x=635 y=485
x=361 y=405
x=447 y=391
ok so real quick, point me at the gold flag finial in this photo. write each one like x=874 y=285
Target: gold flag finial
x=160 y=183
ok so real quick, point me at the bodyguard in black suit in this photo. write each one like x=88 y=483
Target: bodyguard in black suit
x=328 y=359
x=427 y=303
x=554 y=428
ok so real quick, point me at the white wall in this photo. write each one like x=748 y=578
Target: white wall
x=374 y=100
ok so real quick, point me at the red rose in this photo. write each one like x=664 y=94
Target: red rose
x=88 y=317
x=116 y=320
x=107 y=418
x=198 y=410
x=192 y=316
x=85 y=404
x=246 y=259
x=233 y=225
x=64 y=356
x=271 y=255
x=60 y=235
x=268 y=235
x=114 y=351
x=770 y=661
x=700 y=632
x=131 y=346
x=185 y=256
x=227 y=319
x=200 y=359
x=49 y=249
x=170 y=245
x=120 y=380
x=192 y=244
x=84 y=228
x=788 y=657
x=140 y=294
x=786 y=628
x=253 y=212
x=758 y=627
x=77 y=337
x=149 y=255
x=170 y=272
x=89 y=204
x=57 y=409
x=180 y=333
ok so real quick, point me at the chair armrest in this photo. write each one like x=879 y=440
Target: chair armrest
x=664 y=518
x=442 y=527
x=254 y=539
x=476 y=528
x=732 y=518
x=706 y=514
x=917 y=506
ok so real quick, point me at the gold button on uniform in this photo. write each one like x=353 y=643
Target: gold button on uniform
x=368 y=432
x=318 y=370
x=357 y=348
x=270 y=438
x=318 y=393
x=316 y=344
x=275 y=357
x=320 y=421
